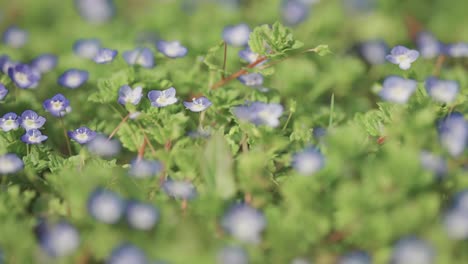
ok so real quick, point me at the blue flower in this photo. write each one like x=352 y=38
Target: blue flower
x=141 y=216
x=237 y=35
x=10 y=163
x=308 y=161
x=162 y=98
x=453 y=133
x=57 y=106
x=251 y=79
x=355 y=257
x=105 y=55
x=87 y=48
x=244 y=223
x=294 y=12
x=6 y=63
x=127 y=254
x=442 y=91
x=33 y=136
x=433 y=163
x=44 y=63
x=319 y=132
x=403 y=57
x=58 y=239
x=31 y=120
x=141 y=168
x=248 y=55
x=300 y=261
x=373 y=52
x=232 y=255
x=260 y=113
x=9 y=121
x=460 y=202
x=73 y=78
x=140 y=56
x=95 y=11
x=15 y=37
x=198 y=104
x=24 y=76
x=457 y=50
x=179 y=189
x=171 y=49
x=397 y=90
x=428 y=45
x=456 y=224
x=127 y=95
x=105 y=206
x=3 y=92
x=104 y=147
x=82 y=135
x=412 y=250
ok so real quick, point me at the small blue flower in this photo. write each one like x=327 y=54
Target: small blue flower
x=198 y=104
x=456 y=224
x=237 y=35
x=412 y=250
x=105 y=55
x=9 y=121
x=397 y=90
x=251 y=79
x=10 y=163
x=24 y=76
x=87 y=48
x=140 y=56
x=127 y=254
x=248 y=55
x=82 y=135
x=96 y=11
x=57 y=106
x=105 y=206
x=73 y=78
x=171 y=49
x=6 y=63
x=373 y=52
x=453 y=133
x=58 y=239
x=460 y=202
x=442 y=91
x=104 y=147
x=294 y=12
x=319 y=132
x=428 y=45
x=403 y=57
x=355 y=257
x=162 y=98
x=3 y=92
x=127 y=95
x=33 y=136
x=15 y=37
x=308 y=161
x=433 y=163
x=31 y=120
x=141 y=168
x=457 y=50
x=260 y=113
x=141 y=216
x=179 y=189
x=44 y=63
x=232 y=255
x=244 y=223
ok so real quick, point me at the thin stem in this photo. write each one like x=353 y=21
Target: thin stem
x=65 y=134
x=238 y=73
x=244 y=145
x=332 y=110
x=141 y=150
x=200 y=122
x=440 y=61
x=223 y=74
x=287 y=120
x=118 y=126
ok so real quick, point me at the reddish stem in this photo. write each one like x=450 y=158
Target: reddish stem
x=440 y=61
x=238 y=73
x=118 y=126
x=141 y=150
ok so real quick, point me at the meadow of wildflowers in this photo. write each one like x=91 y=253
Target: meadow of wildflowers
x=233 y=131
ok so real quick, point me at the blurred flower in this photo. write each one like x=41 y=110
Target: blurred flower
x=373 y=51
x=433 y=163
x=58 y=239
x=134 y=115
x=428 y=45
x=244 y=223
x=403 y=57
x=237 y=35
x=171 y=49
x=456 y=224
x=142 y=168
x=358 y=7
x=251 y=79
x=453 y=133
x=105 y=206
x=5 y=63
x=198 y=104
x=33 y=136
x=141 y=216
x=127 y=95
x=319 y=132
x=294 y=12
x=355 y=257
x=15 y=37
x=9 y=121
x=3 y=92
x=95 y=11
x=127 y=254
x=140 y=56
x=82 y=135
x=31 y=120
x=460 y=202
x=105 y=55
x=104 y=147
x=442 y=91
x=57 y=106
x=179 y=189
x=397 y=90
x=232 y=255
x=10 y=163
x=412 y=250
x=308 y=161
x=162 y=98
x=73 y=78
x=457 y=50
x=24 y=76
x=300 y=261
x=249 y=56
x=87 y=48
x=260 y=113
x=44 y=63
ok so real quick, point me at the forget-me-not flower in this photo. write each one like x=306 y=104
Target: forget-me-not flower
x=57 y=106
x=105 y=55
x=412 y=250
x=96 y=11
x=428 y=45
x=24 y=76
x=3 y=91
x=141 y=216
x=87 y=48
x=59 y=239
x=82 y=135
x=171 y=49
x=237 y=35
x=127 y=95
x=453 y=133
x=10 y=163
x=457 y=50
x=442 y=91
x=373 y=51
x=251 y=79
x=260 y=113
x=105 y=206
x=33 y=136
x=15 y=37
x=104 y=147
x=244 y=223
x=179 y=189
x=397 y=90
x=127 y=254
x=31 y=120
x=403 y=57
x=198 y=104
x=6 y=63
x=162 y=98
x=142 y=168
x=44 y=63
x=308 y=161
x=248 y=55
x=9 y=121
x=140 y=56
x=294 y=12
x=73 y=78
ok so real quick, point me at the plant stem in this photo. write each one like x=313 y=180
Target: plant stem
x=65 y=134
x=118 y=126
x=238 y=73
x=141 y=150
x=223 y=74
x=440 y=61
